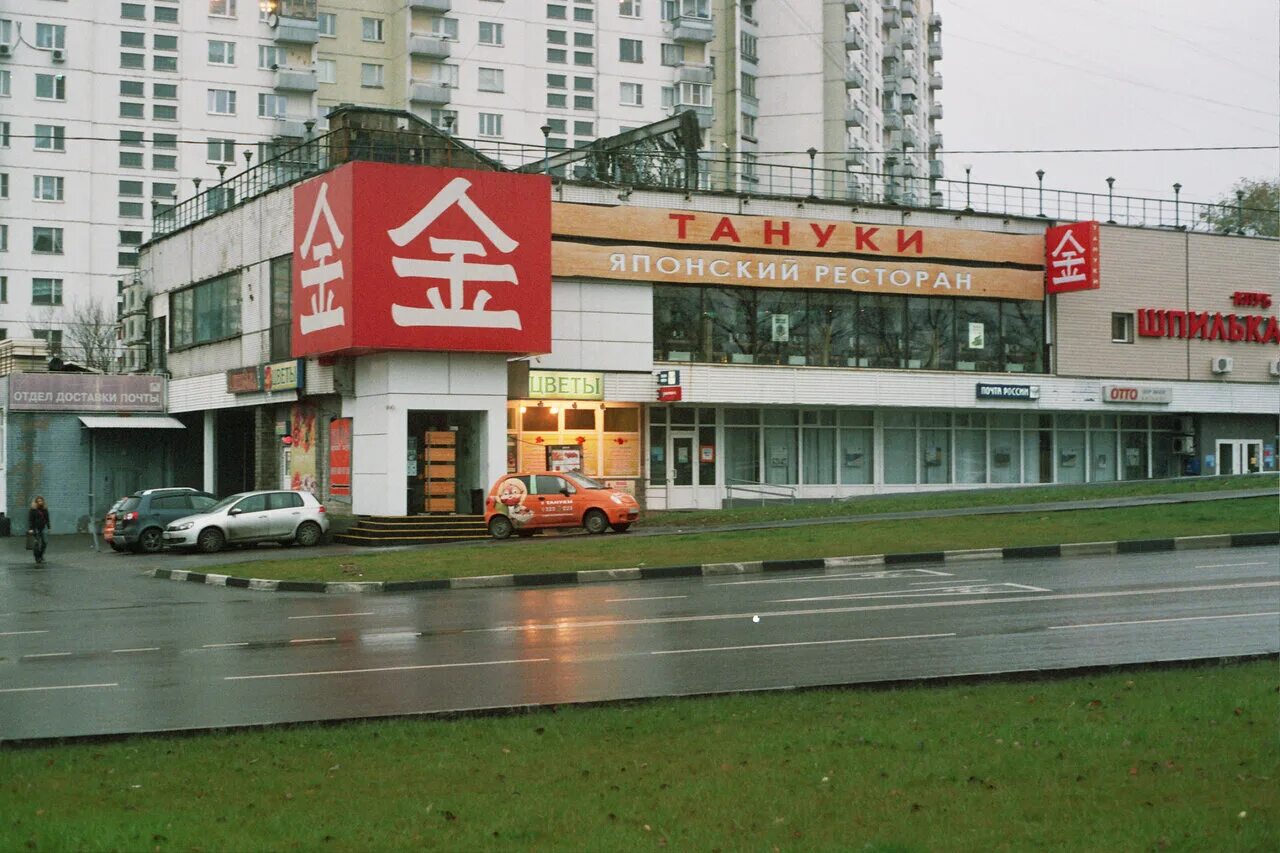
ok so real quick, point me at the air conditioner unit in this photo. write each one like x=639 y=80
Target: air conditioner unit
x=1222 y=363
x=1184 y=445
x=1275 y=367
x=6 y=50
x=59 y=55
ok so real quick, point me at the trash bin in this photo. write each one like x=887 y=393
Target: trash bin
x=1191 y=466
x=477 y=501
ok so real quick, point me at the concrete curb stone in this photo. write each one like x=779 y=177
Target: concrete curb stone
x=1074 y=549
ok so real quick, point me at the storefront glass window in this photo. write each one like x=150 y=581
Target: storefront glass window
x=622 y=420
x=935 y=446
x=742 y=455
x=899 y=455
x=780 y=455
x=931 y=333
x=1022 y=336
x=856 y=457
x=781 y=327
x=741 y=417
x=683 y=417
x=731 y=323
x=658 y=455
x=580 y=419
x=1006 y=456
x=971 y=456
x=1032 y=452
x=1134 y=448
x=1071 y=458
x=281 y=298
x=706 y=455
x=855 y=417
x=881 y=323
x=832 y=330
x=819 y=456
x=1102 y=455
x=978 y=335
x=676 y=320
x=781 y=417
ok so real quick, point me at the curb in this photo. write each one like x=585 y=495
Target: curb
x=1076 y=549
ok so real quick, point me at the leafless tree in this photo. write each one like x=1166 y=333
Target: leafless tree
x=93 y=336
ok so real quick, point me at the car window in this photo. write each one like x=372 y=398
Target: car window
x=201 y=503
x=284 y=500
x=253 y=503
x=130 y=504
x=547 y=484
x=585 y=482
x=169 y=502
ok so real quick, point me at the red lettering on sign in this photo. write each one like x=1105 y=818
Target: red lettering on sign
x=682 y=222
x=783 y=231
x=906 y=241
x=725 y=230
x=863 y=238
x=822 y=234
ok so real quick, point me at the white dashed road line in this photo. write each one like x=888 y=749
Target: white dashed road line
x=334 y=615
x=384 y=669
x=1171 y=619
x=125 y=651
x=19 y=633
x=223 y=645
x=650 y=598
x=49 y=655
x=314 y=640
x=56 y=687
x=806 y=643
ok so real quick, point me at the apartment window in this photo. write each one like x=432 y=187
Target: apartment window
x=491 y=80
x=445 y=28
x=131 y=159
x=126 y=259
x=209 y=311
x=6 y=31
x=51 y=87
x=749 y=45
x=694 y=94
x=491 y=33
x=558 y=101
x=326 y=71
x=584 y=128
x=165 y=162
x=129 y=38
x=165 y=15
x=133 y=60
x=584 y=58
x=584 y=102
x=52 y=337
x=4 y=134
x=748 y=84
x=445 y=75
x=686 y=9
x=630 y=50
x=584 y=14
x=628 y=8
x=584 y=84
x=748 y=126
x=272 y=106
x=130 y=109
x=270 y=57
x=4 y=184
x=557 y=81
x=132 y=89
x=129 y=188
x=164 y=190
x=165 y=91
x=371 y=75
x=164 y=140
x=328 y=23
x=556 y=12
x=222 y=52
x=672 y=54
x=222 y=102
x=557 y=37
x=557 y=55
x=632 y=95
x=443 y=118
x=221 y=151
x=4 y=237
x=46 y=291
x=4 y=296
x=164 y=63
x=1122 y=328
x=130 y=238
x=371 y=29
x=132 y=137
x=51 y=36
x=46 y=240
x=584 y=40
x=165 y=43
x=49 y=137
x=164 y=112
x=133 y=11
x=222 y=8
x=490 y=124
x=6 y=84
x=558 y=125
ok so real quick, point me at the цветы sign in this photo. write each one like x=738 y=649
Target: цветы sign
x=694 y=247
x=421 y=258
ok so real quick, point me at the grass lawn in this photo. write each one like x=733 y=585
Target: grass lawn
x=780 y=511
x=1180 y=758
x=827 y=540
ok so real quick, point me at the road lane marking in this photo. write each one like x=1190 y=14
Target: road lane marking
x=384 y=669
x=1171 y=619
x=49 y=655
x=866 y=608
x=334 y=615
x=315 y=640
x=650 y=598
x=945 y=583
x=124 y=651
x=1231 y=565
x=805 y=643
x=886 y=574
x=56 y=687
x=950 y=589
x=19 y=633
x=223 y=645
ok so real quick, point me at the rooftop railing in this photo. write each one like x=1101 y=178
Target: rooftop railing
x=647 y=169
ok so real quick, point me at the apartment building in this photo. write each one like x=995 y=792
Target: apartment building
x=111 y=111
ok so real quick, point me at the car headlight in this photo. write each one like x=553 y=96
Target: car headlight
x=186 y=525
x=618 y=499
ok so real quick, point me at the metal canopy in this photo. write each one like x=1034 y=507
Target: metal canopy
x=141 y=422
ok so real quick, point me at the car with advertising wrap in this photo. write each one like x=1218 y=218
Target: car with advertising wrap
x=137 y=522
x=527 y=503
x=287 y=517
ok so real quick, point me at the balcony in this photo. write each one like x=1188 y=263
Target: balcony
x=689 y=28
x=908 y=8
x=296 y=31
x=935 y=111
x=935 y=140
x=293 y=80
x=704 y=113
x=853 y=39
x=693 y=72
x=854 y=117
x=935 y=21
x=852 y=6
x=935 y=51
x=854 y=78
x=935 y=81
x=428 y=46
x=892 y=18
x=855 y=156
x=893 y=121
x=907 y=41
x=293 y=128
x=908 y=88
x=909 y=72
x=908 y=104
x=429 y=92
x=935 y=170
x=435 y=7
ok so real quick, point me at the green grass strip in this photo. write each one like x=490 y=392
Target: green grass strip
x=578 y=552
x=1180 y=759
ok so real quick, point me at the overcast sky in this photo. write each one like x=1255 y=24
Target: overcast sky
x=1024 y=74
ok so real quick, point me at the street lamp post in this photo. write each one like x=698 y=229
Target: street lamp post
x=968 y=208
x=1177 y=188
x=1111 y=218
x=546 y=148
x=812 y=152
x=1040 y=179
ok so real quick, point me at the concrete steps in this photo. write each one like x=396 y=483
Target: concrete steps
x=384 y=531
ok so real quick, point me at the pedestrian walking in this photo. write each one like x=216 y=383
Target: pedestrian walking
x=38 y=527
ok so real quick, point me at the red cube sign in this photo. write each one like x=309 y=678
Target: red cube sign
x=391 y=257
x=1071 y=257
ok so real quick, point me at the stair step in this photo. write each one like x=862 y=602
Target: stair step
x=389 y=541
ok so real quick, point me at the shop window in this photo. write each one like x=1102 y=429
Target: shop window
x=580 y=419
x=881 y=324
x=1070 y=455
x=706 y=455
x=931 y=333
x=781 y=320
x=935 y=455
x=209 y=311
x=682 y=416
x=658 y=455
x=832 y=331
x=742 y=455
x=1022 y=336
x=1102 y=455
x=676 y=320
x=820 y=456
x=539 y=419
x=899 y=456
x=1121 y=328
x=1006 y=456
x=856 y=456
x=281 y=304
x=622 y=420
x=729 y=322
x=971 y=455
x=978 y=335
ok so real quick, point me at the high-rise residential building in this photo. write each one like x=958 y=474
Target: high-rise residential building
x=111 y=111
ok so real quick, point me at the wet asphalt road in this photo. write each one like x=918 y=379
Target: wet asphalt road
x=98 y=649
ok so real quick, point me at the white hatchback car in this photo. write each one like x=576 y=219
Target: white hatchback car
x=251 y=517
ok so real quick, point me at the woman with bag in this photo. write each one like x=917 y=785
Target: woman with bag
x=38 y=528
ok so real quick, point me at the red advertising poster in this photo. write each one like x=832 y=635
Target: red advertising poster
x=340 y=456
x=421 y=258
x=1071 y=257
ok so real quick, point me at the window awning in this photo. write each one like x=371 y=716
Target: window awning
x=143 y=422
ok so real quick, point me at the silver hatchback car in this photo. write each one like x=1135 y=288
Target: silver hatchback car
x=251 y=517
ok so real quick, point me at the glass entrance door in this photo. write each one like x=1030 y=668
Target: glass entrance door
x=680 y=458
x=1239 y=456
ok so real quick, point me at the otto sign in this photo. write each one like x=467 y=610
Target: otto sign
x=1135 y=394
x=393 y=257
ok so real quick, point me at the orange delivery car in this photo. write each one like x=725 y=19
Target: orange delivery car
x=527 y=503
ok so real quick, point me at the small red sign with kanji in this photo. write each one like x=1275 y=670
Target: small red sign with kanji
x=1071 y=257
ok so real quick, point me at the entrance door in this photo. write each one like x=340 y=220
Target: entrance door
x=682 y=469
x=1239 y=456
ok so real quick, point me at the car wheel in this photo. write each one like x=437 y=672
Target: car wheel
x=621 y=528
x=500 y=527
x=151 y=540
x=308 y=534
x=525 y=534
x=210 y=540
x=595 y=521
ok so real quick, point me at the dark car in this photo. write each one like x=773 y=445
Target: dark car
x=140 y=521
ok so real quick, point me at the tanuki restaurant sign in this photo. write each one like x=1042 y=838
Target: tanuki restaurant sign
x=696 y=247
